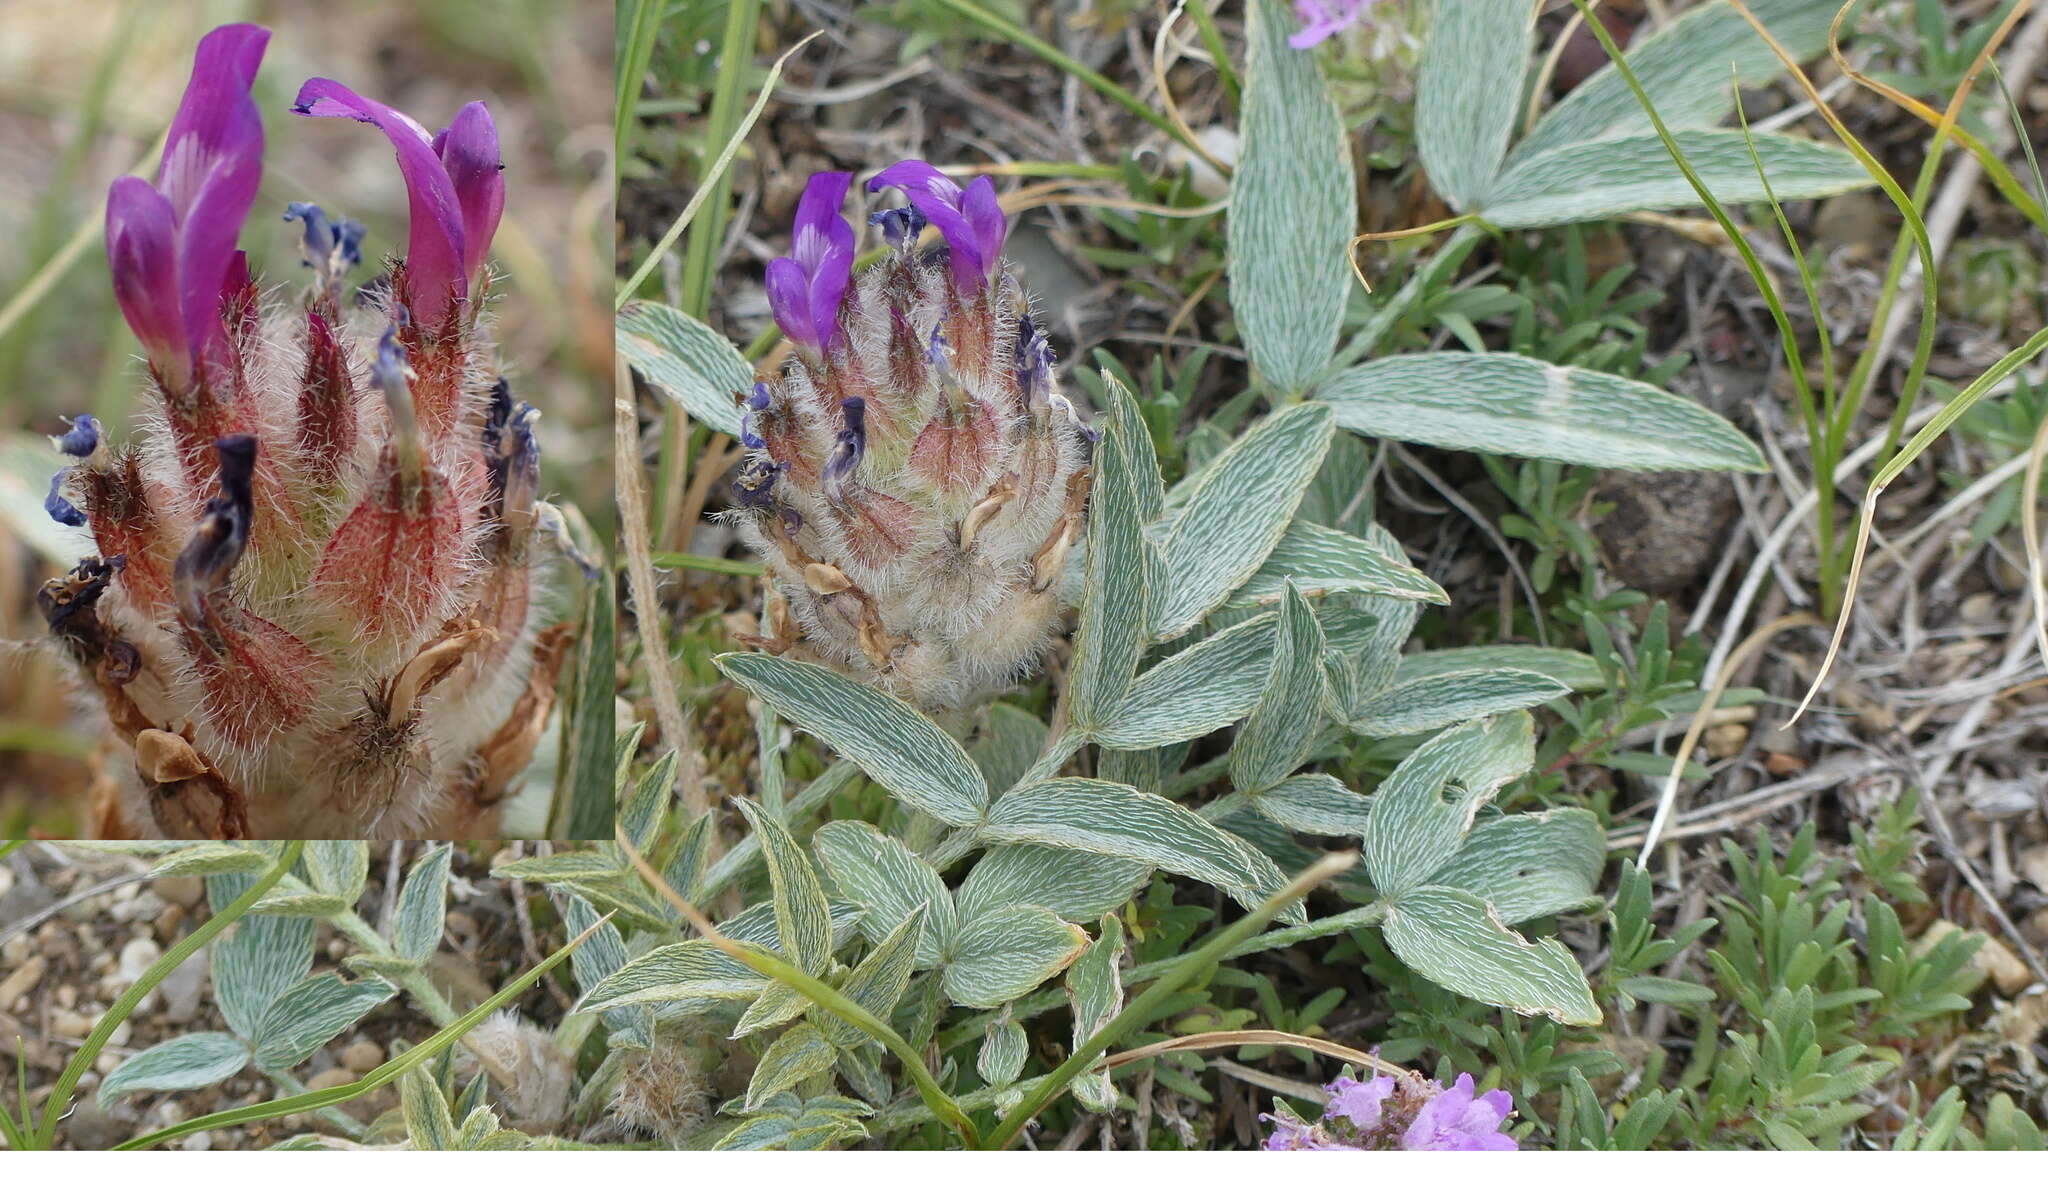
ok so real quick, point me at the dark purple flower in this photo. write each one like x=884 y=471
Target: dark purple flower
x=754 y=485
x=1455 y=1119
x=82 y=440
x=169 y=244
x=848 y=448
x=971 y=219
x=900 y=227
x=453 y=183
x=758 y=402
x=1323 y=19
x=222 y=536
x=1034 y=363
x=806 y=288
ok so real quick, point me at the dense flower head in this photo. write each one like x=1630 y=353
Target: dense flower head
x=914 y=480
x=309 y=612
x=1408 y=1113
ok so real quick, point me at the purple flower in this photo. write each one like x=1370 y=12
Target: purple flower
x=453 y=180
x=1408 y=1113
x=806 y=288
x=1322 y=19
x=169 y=244
x=1358 y=1101
x=971 y=220
x=1455 y=1119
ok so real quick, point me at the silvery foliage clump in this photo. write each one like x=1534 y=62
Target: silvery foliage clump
x=279 y=1011
x=1254 y=593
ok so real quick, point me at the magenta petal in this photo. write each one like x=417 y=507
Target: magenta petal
x=789 y=297
x=469 y=152
x=819 y=210
x=916 y=176
x=985 y=215
x=434 y=251
x=142 y=255
x=212 y=167
x=217 y=121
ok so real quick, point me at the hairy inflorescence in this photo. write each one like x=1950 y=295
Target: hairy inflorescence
x=311 y=610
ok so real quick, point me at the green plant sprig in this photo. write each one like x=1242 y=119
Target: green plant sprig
x=88 y=1051
x=1140 y=1009
x=390 y=1070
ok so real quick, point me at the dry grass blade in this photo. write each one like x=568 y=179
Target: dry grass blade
x=1704 y=715
x=1209 y=1040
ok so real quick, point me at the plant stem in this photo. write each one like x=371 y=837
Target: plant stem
x=1140 y=1010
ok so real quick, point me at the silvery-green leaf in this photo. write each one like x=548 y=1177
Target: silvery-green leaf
x=1439 y=701
x=427 y=1120
x=1530 y=865
x=423 y=906
x=671 y=973
x=800 y=1053
x=1452 y=938
x=1688 y=67
x=1144 y=769
x=1340 y=496
x=188 y=1061
x=1003 y=1047
x=596 y=863
x=905 y=753
x=1276 y=737
x=1095 y=991
x=141 y=847
x=1320 y=560
x=210 y=859
x=256 y=959
x=1004 y=954
x=1498 y=403
x=1076 y=885
x=337 y=867
x=601 y=955
x=1197 y=691
x=1010 y=743
x=1293 y=207
x=1111 y=819
x=803 y=917
x=291 y=897
x=641 y=810
x=1111 y=633
x=779 y=1002
x=686 y=361
x=1418 y=821
x=1630 y=175
x=1469 y=91
x=805 y=1130
x=876 y=985
x=1223 y=534
x=314 y=1010
x=1576 y=670
x=889 y=881
x=686 y=871
x=1315 y=803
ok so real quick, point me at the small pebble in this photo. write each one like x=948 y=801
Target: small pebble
x=69 y=1024
x=362 y=1056
x=182 y=890
x=136 y=958
x=331 y=1078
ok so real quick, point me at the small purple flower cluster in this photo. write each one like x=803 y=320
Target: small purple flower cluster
x=1410 y=1112
x=1323 y=19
